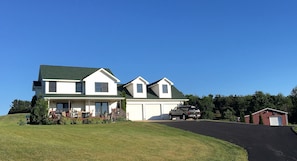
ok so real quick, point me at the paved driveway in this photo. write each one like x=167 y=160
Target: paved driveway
x=263 y=143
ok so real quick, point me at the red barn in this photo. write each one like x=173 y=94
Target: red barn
x=271 y=117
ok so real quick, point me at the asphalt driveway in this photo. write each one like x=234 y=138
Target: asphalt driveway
x=263 y=143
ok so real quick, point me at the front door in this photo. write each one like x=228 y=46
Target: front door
x=101 y=108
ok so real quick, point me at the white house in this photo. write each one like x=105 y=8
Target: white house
x=97 y=91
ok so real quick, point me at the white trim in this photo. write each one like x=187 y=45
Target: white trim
x=269 y=109
x=106 y=72
x=165 y=79
x=85 y=98
x=139 y=77
x=62 y=80
x=155 y=100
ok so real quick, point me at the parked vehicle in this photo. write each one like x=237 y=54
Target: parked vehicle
x=184 y=112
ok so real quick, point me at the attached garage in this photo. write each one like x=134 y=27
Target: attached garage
x=134 y=112
x=152 y=112
x=269 y=116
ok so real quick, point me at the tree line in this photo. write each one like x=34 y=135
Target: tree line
x=233 y=106
x=211 y=107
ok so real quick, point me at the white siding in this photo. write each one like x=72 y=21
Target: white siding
x=62 y=87
x=158 y=89
x=161 y=94
x=66 y=87
x=132 y=88
x=100 y=76
x=139 y=95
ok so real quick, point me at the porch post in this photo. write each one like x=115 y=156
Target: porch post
x=48 y=105
x=69 y=108
x=89 y=105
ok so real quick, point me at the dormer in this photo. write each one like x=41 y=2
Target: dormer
x=162 y=88
x=137 y=87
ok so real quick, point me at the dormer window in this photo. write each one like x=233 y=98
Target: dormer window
x=165 y=88
x=101 y=87
x=139 y=88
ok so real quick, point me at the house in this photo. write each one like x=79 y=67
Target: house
x=271 y=117
x=75 y=91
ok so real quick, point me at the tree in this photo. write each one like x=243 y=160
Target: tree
x=242 y=116
x=228 y=114
x=207 y=107
x=20 y=106
x=39 y=112
x=293 y=111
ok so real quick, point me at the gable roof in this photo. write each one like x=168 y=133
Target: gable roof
x=268 y=109
x=155 y=83
x=66 y=72
x=139 y=77
x=176 y=94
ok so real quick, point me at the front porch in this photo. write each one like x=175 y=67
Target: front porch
x=86 y=108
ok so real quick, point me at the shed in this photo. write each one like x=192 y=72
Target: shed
x=270 y=117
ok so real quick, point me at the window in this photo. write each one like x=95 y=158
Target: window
x=165 y=88
x=101 y=108
x=52 y=86
x=101 y=87
x=78 y=87
x=62 y=107
x=139 y=88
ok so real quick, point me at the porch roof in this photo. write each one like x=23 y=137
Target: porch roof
x=82 y=97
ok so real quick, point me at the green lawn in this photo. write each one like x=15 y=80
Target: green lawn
x=114 y=141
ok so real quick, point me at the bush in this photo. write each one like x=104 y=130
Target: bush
x=39 y=113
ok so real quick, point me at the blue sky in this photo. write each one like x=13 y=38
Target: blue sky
x=205 y=47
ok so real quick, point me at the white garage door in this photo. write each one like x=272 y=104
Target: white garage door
x=153 y=112
x=275 y=121
x=134 y=112
x=167 y=108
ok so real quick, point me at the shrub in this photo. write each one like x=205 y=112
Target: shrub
x=39 y=112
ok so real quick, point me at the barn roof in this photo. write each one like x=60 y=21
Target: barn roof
x=268 y=109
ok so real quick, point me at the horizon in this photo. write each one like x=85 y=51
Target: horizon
x=204 y=47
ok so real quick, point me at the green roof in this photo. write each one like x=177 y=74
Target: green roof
x=66 y=72
x=176 y=94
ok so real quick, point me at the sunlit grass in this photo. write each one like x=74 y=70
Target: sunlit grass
x=115 y=141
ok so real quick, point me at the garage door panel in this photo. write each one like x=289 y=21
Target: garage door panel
x=153 y=112
x=134 y=112
x=275 y=121
x=167 y=108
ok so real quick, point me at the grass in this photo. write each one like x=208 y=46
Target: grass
x=115 y=141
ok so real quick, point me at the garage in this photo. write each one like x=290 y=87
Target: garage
x=134 y=112
x=152 y=112
x=275 y=121
x=269 y=116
